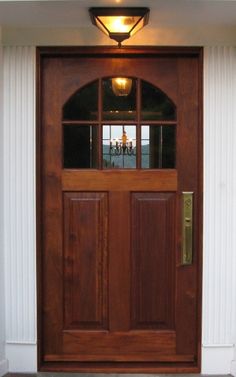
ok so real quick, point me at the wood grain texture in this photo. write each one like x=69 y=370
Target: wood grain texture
x=153 y=260
x=119 y=346
x=119 y=261
x=148 y=320
x=122 y=367
x=51 y=207
x=79 y=72
x=120 y=358
x=188 y=172
x=133 y=51
x=137 y=180
x=85 y=261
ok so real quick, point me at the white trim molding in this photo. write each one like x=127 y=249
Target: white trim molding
x=233 y=364
x=19 y=195
x=233 y=368
x=22 y=357
x=19 y=208
x=3 y=361
x=3 y=367
x=219 y=257
x=217 y=359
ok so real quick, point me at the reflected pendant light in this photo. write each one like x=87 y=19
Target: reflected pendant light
x=119 y=23
x=121 y=86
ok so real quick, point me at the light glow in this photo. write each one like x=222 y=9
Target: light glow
x=121 y=86
x=119 y=24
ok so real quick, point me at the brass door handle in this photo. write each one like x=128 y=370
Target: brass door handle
x=187 y=228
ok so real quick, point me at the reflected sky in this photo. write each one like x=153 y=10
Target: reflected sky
x=115 y=132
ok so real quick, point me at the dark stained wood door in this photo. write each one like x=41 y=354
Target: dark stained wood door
x=114 y=292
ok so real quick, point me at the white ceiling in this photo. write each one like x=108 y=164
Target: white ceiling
x=207 y=20
x=54 y=13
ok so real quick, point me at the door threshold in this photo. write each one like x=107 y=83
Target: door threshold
x=149 y=368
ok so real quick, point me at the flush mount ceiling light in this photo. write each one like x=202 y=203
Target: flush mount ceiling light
x=119 y=23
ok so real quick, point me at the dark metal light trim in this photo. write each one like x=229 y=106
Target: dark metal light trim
x=141 y=12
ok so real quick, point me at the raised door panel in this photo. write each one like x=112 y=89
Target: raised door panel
x=85 y=261
x=153 y=259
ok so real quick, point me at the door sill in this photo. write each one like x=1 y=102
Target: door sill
x=103 y=367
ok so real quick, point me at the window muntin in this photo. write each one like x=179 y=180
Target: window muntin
x=95 y=122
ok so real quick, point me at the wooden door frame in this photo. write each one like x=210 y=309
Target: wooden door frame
x=133 y=51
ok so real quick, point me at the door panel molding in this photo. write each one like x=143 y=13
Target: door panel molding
x=87 y=285
x=152 y=288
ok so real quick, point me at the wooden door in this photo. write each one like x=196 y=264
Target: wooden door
x=114 y=293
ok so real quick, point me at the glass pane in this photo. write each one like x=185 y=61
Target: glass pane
x=80 y=147
x=117 y=104
x=158 y=147
x=119 y=147
x=155 y=104
x=119 y=23
x=83 y=105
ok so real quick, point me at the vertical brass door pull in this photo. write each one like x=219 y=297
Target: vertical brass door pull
x=187 y=228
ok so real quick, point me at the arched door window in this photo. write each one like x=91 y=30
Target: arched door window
x=115 y=124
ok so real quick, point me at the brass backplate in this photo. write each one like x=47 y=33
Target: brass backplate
x=187 y=228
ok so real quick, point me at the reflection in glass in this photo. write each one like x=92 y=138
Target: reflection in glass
x=116 y=107
x=119 y=147
x=121 y=86
x=83 y=105
x=158 y=147
x=155 y=104
x=80 y=147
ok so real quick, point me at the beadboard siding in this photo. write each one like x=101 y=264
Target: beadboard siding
x=2 y=324
x=19 y=193
x=219 y=272
x=3 y=361
x=219 y=262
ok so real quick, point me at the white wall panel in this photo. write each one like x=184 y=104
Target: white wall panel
x=2 y=323
x=3 y=361
x=19 y=193
x=219 y=298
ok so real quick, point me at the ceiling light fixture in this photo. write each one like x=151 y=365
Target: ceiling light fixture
x=119 y=23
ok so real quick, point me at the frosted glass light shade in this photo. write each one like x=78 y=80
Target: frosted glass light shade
x=119 y=23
